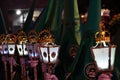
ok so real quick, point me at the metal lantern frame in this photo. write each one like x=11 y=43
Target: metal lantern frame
x=33 y=45
x=48 y=49
x=22 y=50
x=49 y=53
x=104 y=59
x=4 y=49
x=33 y=51
x=7 y=49
x=11 y=49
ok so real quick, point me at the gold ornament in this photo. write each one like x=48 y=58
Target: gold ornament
x=2 y=38
x=22 y=38
x=45 y=37
x=33 y=36
x=11 y=38
x=102 y=35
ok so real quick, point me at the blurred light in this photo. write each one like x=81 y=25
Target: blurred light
x=18 y=12
x=82 y=16
x=105 y=12
x=36 y=14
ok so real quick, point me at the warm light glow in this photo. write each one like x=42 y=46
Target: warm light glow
x=11 y=49
x=33 y=50
x=19 y=47
x=25 y=49
x=82 y=16
x=105 y=12
x=53 y=50
x=101 y=57
x=44 y=53
x=22 y=49
x=113 y=49
x=5 y=49
x=36 y=14
x=1 y=49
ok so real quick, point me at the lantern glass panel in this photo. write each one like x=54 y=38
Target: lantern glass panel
x=5 y=49
x=44 y=54
x=33 y=50
x=11 y=49
x=19 y=47
x=30 y=50
x=113 y=49
x=53 y=54
x=1 y=49
x=101 y=57
x=25 y=50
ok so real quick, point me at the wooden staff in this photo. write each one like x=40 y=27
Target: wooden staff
x=5 y=66
x=23 y=75
x=34 y=64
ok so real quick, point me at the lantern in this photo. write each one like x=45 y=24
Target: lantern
x=49 y=53
x=22 y=49
x=33 y=45
x=49 y=50
x=4 y=49
x=33 y=50
x=104 y=56
x=9 y=46
x=103 y=52
x=21 y=46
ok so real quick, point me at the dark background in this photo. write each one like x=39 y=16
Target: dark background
x=113 y=5
x=8 y=5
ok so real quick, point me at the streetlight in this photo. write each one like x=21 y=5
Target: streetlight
x=33 y=50
x=49 y=50
x=22 y=49
x=103 y=52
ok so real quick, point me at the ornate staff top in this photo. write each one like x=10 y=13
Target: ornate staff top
x=45 y=37
x=22 y=38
